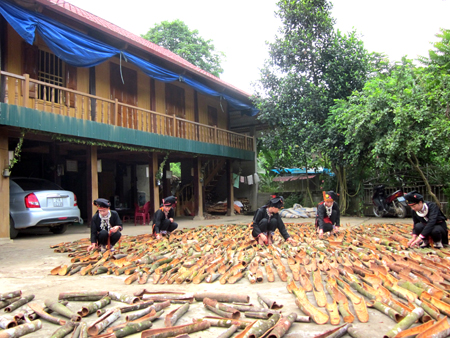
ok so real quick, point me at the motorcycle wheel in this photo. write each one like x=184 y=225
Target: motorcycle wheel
x=377 y=213
x=400 y=210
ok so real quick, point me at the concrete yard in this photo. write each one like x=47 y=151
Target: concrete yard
x=26 y=263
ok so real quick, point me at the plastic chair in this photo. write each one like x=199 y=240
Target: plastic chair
x=142 y=213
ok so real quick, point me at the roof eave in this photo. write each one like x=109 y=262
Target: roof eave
x=61 y=10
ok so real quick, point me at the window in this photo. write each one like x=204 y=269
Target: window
x=50 y=71
x=48 y=68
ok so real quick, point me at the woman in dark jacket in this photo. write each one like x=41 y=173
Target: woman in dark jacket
x=105 y=224
x=163 y=221
x=266 y=220
x=328 y=216
x=429 y=221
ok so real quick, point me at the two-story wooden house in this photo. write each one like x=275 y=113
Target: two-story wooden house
x=103 y=113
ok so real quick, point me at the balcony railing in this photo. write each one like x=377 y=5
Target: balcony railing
x=26 y=92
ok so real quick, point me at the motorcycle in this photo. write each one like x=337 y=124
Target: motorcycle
x=391 y=205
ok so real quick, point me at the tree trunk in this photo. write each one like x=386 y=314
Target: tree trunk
x=416 y=167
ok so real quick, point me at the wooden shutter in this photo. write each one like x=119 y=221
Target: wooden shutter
x=71 y=83
x=30 y=57
x=212 y=116
x=175 y=101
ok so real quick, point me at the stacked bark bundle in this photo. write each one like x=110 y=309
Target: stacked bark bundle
x=366 y=266
x=131 y=314
x=217 y=208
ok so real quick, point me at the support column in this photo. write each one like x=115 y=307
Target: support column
x=154 y=188
x=198 y=189
x=92 y=180
x=4 y=187
x=230 y=190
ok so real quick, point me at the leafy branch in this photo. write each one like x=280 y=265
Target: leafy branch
x=159 y=173
x=17 y=151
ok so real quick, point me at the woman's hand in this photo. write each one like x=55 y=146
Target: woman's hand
x=158 y=236
x=290 y=240
x=91 y=247
x=115 y=229
x=263 y=238
x=411 y=241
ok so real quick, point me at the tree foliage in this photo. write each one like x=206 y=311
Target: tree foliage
x=310 y=66
x=398 y=120
x=178 y=38
x=440 y=56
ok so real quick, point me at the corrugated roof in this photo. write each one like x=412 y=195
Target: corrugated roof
x=108 y=27
x=291 y=178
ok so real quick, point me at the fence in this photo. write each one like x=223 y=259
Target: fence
x=38 y=95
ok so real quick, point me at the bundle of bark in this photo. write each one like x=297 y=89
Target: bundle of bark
x=217 y=208
x=371 y=261
x=132 y=314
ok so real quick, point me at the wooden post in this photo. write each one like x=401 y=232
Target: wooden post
x=155 y=191
x=151 y=185
x=26 y=90
x=4 y=186
x=92 y=180
x=174 y=125
x=230 y=189
x=116 y=111
x=198 y=189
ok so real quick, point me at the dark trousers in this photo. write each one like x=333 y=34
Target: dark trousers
x=265 y=226
x=103 y=237
x=438 y=234
x=168 y=226
x=327 y=227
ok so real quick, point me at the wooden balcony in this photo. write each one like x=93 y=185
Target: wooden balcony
x=23 y=91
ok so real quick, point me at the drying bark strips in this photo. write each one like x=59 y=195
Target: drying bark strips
x=367 y=266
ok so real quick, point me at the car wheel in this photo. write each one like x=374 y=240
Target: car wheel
x=60 y=229
x=13 y=232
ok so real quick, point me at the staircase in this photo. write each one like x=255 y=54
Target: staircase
x=213 y=171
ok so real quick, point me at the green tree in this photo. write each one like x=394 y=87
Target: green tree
x=178 y=38
x=398 y=121
x=310 y=66
x=440 y=56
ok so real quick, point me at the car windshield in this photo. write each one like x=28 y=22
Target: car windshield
x=36 y=185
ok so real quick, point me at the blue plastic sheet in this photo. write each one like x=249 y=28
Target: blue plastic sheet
x=80 y=50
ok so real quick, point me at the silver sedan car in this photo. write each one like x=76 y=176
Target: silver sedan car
x=36 y=202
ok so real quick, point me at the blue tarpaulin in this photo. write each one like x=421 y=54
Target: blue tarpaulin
x=299 y=171
x=80 y=50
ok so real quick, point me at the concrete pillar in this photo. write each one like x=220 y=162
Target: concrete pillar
x=198 y=189
x=4 y=186
x=92 y=180
x=230 y=189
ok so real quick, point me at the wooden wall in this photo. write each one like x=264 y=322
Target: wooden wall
x=14 y=65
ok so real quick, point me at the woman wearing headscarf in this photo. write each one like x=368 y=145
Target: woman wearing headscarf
x=429 y=222
x=267 y=219
x=328 y=217
x=106 y=223
x=163 y=221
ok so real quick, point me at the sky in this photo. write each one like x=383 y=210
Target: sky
x=241 y=28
